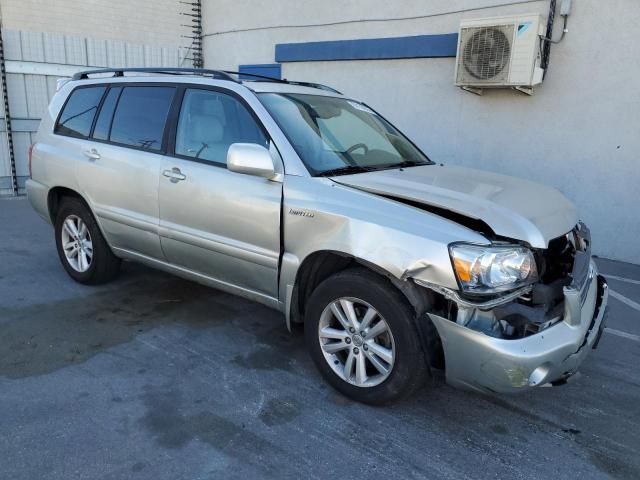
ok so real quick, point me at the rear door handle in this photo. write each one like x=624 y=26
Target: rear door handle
x=175 y=175
x=92 y=154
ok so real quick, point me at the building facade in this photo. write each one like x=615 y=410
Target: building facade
x=43 y=41
x=578 y=132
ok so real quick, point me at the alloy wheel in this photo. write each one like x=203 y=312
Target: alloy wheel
x=77 y=244
x=356 y=342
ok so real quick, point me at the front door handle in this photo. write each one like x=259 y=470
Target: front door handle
x=92 y=154
x=175 y=175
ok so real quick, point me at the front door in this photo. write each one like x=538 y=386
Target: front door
x=219 y=223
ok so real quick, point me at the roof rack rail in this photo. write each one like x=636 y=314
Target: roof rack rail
x=319 y=86
x=255 y=75
x=119 y=72
x=284 y=80
x=217 y=74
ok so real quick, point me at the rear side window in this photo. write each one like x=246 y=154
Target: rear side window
x=79 y=111
x=103 y=124
x=140 y=117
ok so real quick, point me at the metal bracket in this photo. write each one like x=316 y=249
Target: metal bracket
x=7 y=115
x=194 y=10
x=477 y=91
x=528 y=90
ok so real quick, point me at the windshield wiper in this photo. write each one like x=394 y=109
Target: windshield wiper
x=406 y=163
x=346 y=170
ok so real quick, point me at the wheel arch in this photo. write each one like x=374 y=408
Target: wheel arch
x=320 y=265
x=54 y=200
x=104 y=264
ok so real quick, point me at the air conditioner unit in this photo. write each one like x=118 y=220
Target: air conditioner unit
x=500 y=52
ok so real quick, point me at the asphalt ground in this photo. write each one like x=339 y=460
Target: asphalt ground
x=154 y=377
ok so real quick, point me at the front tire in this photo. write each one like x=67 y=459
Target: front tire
x=361 y=334
x=82 y=249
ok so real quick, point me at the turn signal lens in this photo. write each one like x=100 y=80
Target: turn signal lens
x=463 y=269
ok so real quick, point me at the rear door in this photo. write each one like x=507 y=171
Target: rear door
x=223 y=224
x=120 y=171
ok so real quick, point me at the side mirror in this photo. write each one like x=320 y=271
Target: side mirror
x=251 y=159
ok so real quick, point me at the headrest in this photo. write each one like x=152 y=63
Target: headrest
x=206 y=105
x=206 y=128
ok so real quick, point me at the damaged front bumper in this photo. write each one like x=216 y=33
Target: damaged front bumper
x=481 y=362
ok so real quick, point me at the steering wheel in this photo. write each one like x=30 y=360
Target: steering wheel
x=355 y=147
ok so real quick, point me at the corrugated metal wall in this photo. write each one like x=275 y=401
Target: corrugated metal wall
x=34 y=61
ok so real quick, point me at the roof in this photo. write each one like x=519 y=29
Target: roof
x=256 y=83
x=271 y=87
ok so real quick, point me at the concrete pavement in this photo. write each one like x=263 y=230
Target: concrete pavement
x=154 y=377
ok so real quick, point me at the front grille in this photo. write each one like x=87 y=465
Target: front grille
x=557 y=260
x=582 y=262
x=584 y=286
x=566 y=262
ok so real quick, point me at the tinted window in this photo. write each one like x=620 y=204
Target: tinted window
x=140 y=116
x=78 y=113
x=103 y=124
x=210 y=122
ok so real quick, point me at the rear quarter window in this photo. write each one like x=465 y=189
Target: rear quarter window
x=103 y=124
x=78 y=113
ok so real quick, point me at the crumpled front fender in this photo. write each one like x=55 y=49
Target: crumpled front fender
x=408 y=243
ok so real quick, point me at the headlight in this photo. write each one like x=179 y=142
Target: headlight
x=492 y=269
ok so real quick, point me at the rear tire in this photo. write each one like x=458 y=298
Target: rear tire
x=387 y=360
x=82 y=249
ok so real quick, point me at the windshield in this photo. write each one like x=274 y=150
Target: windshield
x=335 y=136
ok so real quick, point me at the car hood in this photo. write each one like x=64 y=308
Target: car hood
x=511 y=207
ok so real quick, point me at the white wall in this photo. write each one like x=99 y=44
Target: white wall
x=153 y=22
x=580 y=132
x=34 y=62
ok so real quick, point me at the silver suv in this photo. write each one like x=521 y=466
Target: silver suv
x=310 y=202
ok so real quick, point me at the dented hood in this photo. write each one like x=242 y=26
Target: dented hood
x=512 y=207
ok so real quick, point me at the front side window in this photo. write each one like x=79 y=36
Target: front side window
x=79 y=111
x=210 y=122
x=140 y=116
x=335 y=135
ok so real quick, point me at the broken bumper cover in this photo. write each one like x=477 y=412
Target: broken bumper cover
x=479 y=362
